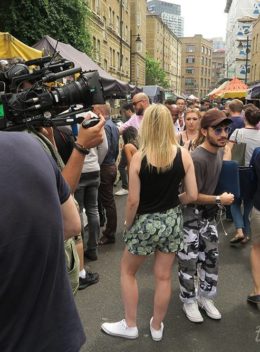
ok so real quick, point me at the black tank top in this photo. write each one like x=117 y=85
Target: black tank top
x=159 y=191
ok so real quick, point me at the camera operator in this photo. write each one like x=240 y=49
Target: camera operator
x=87 y=138
x=38 y=311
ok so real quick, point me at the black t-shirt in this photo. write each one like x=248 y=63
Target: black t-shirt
x=64 y=140
x=159 y=191
x=37 y=308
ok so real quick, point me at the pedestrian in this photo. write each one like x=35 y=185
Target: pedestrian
x=108 y=171
x=254 y=297
x=192 y=126
x=130 y=138
x=199 y=257
x=38 y=311
x=153 y=217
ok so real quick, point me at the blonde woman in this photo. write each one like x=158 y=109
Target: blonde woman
x=192 y=126
x=153 y=217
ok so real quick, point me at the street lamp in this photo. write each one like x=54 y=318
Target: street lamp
x=241 y=47
x=138 y=43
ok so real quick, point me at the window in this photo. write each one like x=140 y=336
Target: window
x=117 y=24
x=190 y=48
x=202 y=60
x=105 y=64
x=190 y=59
x=189 y=70
x=189 y=82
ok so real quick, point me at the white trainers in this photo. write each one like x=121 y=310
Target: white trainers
x=120 y=329
x=156 y=334
x=121 y=192
x=192 y=312
x=209 y=307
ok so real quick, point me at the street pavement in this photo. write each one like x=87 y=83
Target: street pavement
x=238 y=330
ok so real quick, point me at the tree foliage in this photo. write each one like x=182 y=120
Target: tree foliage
x=30 y=20
x=154 y=74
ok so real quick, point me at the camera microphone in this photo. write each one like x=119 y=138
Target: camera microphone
x=51 y=77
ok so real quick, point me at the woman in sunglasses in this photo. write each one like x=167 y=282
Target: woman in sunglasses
x=251 y=136
x=192 y=125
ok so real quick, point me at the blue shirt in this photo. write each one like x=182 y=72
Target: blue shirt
x=112 y=134
x=237 y=122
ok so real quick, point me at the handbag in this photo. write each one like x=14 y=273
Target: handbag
x=229 y=178
x=238 y=152
x=248 y=182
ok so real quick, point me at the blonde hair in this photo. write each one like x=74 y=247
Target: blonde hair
x=157 y=137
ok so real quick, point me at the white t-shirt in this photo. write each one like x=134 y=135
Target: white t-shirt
x=250 y=136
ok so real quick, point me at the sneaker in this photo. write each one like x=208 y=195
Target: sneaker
x=121 y=192
x=156 y=334
x=209 y=307
x=90 y=279
x=120 y=329
x=192 y=312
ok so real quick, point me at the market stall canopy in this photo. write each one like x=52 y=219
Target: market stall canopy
x=155 y=93
x=254 y=92
x=113 y=88
x=213 y=93
x=192 y=97
x=10 y=48
x=234 y=89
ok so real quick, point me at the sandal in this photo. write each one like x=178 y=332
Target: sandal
x=106 y=240
x=236 y=239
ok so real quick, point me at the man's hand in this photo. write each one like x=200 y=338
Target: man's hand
x=226 y=198
x=93 y=136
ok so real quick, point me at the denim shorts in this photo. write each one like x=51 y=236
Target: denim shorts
x=157 y=231
x=255 y=226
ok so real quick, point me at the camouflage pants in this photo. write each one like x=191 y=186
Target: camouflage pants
x=198 y=261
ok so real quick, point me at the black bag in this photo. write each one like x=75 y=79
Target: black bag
x=210 y=212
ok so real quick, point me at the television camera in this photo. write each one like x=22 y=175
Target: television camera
x=38 y=104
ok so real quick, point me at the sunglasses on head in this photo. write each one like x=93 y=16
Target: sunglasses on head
x=219 y=130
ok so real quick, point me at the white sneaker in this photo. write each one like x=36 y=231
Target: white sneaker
x=192 y=312
x=121 y=192
x=156 y=334
x=120 y=329
x=209 y=307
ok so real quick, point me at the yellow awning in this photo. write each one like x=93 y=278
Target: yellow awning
x=232 y=94
x=10 y=48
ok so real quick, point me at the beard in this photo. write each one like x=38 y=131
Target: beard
x=218 y=144
x=140 y=111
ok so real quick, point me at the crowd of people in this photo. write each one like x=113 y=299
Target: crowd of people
x=170 y=165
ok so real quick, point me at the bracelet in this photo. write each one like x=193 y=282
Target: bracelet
x=81 y=149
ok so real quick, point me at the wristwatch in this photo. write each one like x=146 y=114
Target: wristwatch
x=218 y=201
x=81 y=149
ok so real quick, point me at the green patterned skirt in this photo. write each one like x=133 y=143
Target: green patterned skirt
x=158 y=231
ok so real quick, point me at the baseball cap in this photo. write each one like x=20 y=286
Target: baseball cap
x=214 y=117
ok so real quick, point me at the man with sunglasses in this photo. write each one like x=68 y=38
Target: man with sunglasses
x=199 y=257
x=140 y=102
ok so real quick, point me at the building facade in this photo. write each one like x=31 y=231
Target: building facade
x=218 y=67
x=165 y=47
x=137 y=35
x=241 y=17
x=196 y=65
x=255 y=53
x=169 y=13
x=109 y=26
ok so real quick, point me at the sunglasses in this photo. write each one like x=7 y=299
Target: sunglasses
x=219 y=130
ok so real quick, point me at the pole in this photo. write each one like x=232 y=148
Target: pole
x=247 y=52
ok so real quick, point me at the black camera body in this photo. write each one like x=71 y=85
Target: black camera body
x=40 y=105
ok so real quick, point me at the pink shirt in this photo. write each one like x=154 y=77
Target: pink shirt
x=134 y=121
